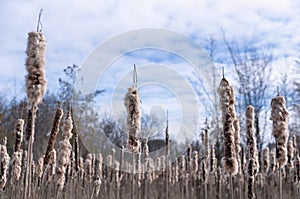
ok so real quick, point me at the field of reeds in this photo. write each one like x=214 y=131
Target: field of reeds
x=62 y=173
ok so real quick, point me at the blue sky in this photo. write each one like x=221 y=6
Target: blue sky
x=75 y=28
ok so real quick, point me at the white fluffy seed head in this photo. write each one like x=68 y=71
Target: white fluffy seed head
x=132 y=104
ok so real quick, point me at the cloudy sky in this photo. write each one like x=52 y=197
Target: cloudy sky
x=76 y=28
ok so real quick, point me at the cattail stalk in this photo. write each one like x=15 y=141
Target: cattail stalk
x=132 y=104
x=4 y=160
x=76 y=144
x=279 y=116
x=64 y=152
x=213 y=160
x=290 y=154
x=53 y=135
x=251 y=140
x=19 y=134
x=266 y=161
x=251 y=177
x=227 y=99
x=36 y=87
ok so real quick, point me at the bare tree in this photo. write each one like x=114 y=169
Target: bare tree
x=253 y=67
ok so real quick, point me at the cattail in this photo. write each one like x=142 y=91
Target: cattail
x=99 y=166
x=279 y=116
x=273 y=163
x=116 y=174
x=167 y=136
x=4 y=158
x=76 y=144
x=182 y=167
x=16 y=165
x=19 y=134
x=236 y=125
x=290 y=154
x=251 y=173
x=24 y=163
x=251 y=140
x=194 y=163
x=35 y=62
x=53 y=134
x=204 y=138
x=64 y=152
x=150 y=174
x=212 y=159
x=227 y=99
x=39 y=169
x=50 y=170
x=31 y=115
x=97 y=185
x=175 y=173
x=266 y=161
x=297 y=170
x=204 y=171
x=132 y=103
x=88 y=167
x=294 y=140
x=81 y=168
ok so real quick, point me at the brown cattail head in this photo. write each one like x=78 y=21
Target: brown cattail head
x=31 y=115
x=251 y=140
x=290 y=149
x=19 y=134
x=251 y=173
x=132 y=103
x=266 y=161
x=236 y=125
x=279 y=116
x=52 y=139
x=227 y=99
x=35 y=62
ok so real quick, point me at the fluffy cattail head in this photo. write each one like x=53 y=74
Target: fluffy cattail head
x=279 y=116
x=132 y=103
x=227 y=99
x=16 y=165
x=251 y=139
x=35 y=80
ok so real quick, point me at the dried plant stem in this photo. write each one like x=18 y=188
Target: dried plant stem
x=29 y=154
